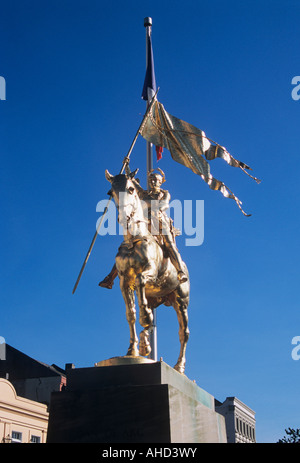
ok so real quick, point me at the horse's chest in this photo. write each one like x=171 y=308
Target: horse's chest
x=131 y=256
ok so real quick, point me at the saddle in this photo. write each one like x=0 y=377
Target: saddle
x=158 y=238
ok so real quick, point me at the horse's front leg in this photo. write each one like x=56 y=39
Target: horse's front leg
x=181 y=306
x=146 y=314
x=128 y=295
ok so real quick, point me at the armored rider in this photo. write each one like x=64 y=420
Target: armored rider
x=159 y=223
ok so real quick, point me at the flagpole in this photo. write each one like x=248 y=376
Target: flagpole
x=149 y=160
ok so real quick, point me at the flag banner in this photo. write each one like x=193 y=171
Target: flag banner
x=149 y=88
x=159 y=150
x=190 y=147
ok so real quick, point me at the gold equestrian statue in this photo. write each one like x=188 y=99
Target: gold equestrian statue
x=148 y=262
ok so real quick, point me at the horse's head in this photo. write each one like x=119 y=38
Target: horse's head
x=125 y=195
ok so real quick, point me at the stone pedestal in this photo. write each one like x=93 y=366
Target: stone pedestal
x=133 y=403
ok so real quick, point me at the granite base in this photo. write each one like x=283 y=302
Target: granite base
x=134 y=403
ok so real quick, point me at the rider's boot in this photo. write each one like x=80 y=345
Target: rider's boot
x=109 y=279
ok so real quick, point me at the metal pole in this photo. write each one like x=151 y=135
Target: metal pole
x=149 y=159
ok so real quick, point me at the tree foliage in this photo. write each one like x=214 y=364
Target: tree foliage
x=292 y=437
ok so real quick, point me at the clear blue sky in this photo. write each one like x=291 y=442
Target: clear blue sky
x=74 y=72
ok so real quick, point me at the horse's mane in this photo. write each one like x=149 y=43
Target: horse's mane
x=119 y=180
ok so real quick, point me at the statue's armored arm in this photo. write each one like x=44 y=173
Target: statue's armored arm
x=164 y=202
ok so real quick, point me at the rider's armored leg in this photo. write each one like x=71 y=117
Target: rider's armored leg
x=175 y=257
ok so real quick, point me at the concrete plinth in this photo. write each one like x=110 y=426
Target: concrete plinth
x=133 y=403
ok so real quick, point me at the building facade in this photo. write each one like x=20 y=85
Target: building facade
x=239 y=418
x=21 y=420
x=31 y=378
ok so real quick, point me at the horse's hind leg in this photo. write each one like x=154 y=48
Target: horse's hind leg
x=128 y=295
x=146 y=314
x=181 y=305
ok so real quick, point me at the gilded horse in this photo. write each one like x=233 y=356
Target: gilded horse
x=144 y=270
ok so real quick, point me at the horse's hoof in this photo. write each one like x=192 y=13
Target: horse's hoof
x=133 y=352
x=180 y=368
x=144 y=350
